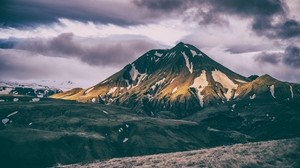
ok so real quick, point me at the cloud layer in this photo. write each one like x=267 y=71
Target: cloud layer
x=19 y=13
x=248 y=36
x=102 y=51
x=290 y=57
x=269 y=17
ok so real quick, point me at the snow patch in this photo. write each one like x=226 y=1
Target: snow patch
x=103 y=81
x=149 y=96
x=40 y=95
x=30 y=123
x=104 y=111
x=195 y=53
x=201 y=81
x=253 y=97
x=90 y=89
x=241 y=81
x=172 y=54
x=1 y=100
x=125 y=140
x=158 y=83
x=112 y=90
x=93 y=100
x=174 y=90
x=292 y=93
x=35 y=99
x=199 y=84
x=272 y=90
x=188 y=64
x=5 y=120
x=140 y=78
x=133 y=72
x=172 y=80
x=235 y=95
x=225 y=82
x=11 y=114
x=15 y=99
x=233 y=106
x=158 y=54
x=6 y=91
x=212 y=129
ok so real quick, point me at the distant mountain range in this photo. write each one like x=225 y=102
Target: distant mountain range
x=42 y=89
x=180 y=80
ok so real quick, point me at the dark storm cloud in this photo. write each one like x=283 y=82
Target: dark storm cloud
x=237 y=7
x=158 y=5
x=285 y=29
x=162 y=5
x=262 y=12
x=7 y=43
x=103 y=52
x=290 y=28
x=15 y=13
x=292 y=56
x=244 y=48
x=271 y=58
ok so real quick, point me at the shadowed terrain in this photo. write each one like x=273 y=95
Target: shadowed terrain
x=51 y=131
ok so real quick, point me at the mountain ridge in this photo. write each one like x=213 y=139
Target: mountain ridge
x=27 y=89
x=181 y=80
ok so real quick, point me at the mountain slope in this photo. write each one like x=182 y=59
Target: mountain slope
x=268 y=87
x=181 y=80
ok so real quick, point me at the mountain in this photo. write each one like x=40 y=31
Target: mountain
x=179 y=99
x=28 y=89
x=181 y=80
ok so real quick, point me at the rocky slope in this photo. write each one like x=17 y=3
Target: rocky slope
x=182 y=80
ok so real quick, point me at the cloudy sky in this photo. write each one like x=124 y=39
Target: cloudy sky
x=86 y=41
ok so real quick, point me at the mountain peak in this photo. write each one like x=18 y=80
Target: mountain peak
x=182 y=45
x=187 y=50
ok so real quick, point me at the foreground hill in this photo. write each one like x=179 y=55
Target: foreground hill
x=50 y=131
x=280 y=153
x=181 y=80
